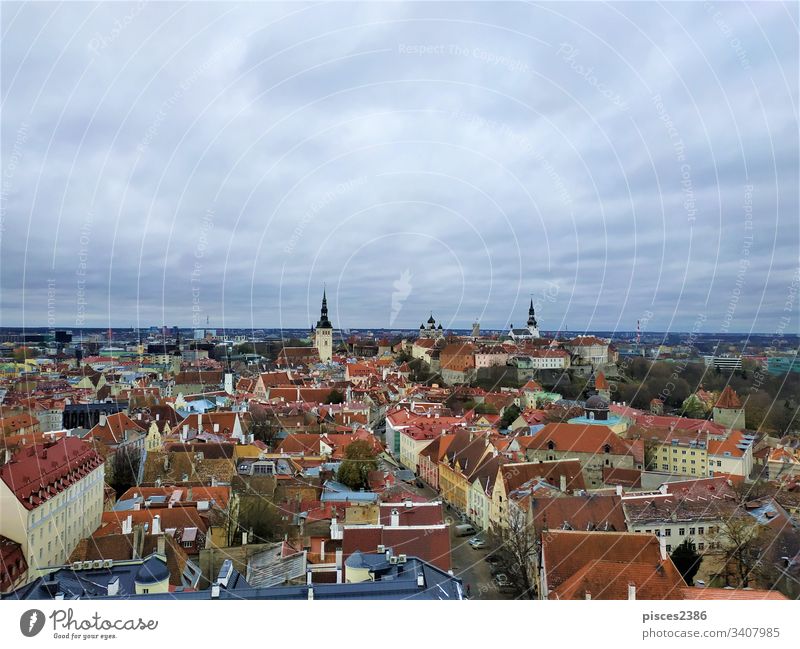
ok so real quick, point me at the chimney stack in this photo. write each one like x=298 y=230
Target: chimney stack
x=157 y=524
x=395 y=519
x=631 y=591
x=562 y=481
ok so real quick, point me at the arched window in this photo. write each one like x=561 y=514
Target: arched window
x=551 y=445
x=607 y=448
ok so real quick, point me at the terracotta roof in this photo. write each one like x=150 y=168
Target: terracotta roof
x=730 y=593
x=516 y=475
x=564 y=553
x=112 y=432
x=586 y=513
x=728 y=399
x=600 y=382
x=37 y=473
x=611 y=580
x=581 y=438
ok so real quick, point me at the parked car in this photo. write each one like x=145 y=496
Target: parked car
x=477 y=544
x=465 y=530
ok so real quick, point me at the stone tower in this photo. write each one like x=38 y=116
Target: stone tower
x=323 y=334
x=728 y=411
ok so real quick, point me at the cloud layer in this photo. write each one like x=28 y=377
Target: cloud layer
x=164 y=163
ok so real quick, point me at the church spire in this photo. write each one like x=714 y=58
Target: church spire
x=323 y=312
x=531 y=315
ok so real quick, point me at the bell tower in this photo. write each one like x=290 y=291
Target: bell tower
x=323 y=333
x=533 y=327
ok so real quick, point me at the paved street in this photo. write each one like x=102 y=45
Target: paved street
x=470 y=565
x=467 y=563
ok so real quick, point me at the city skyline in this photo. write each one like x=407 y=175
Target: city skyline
x=238 y=161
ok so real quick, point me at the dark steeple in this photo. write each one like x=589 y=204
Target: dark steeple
x=323 y=322
x=531 y=316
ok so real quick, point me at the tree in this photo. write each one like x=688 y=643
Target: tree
x=693 y=407
x=262 y=519
x=359 y=460
x=22 y=353
x=560 y=414
x=124 y=469
x=650 y=455
x=336 y=396
x=517 y=551
x=262 y=426
x=744 y=544
x=510 y=415
x=686 y=560
x=485 y=409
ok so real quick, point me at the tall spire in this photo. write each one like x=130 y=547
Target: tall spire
x=531 y=315
x=323 y=312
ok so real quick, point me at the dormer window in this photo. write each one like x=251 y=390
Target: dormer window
x=551 y=445
x=607 y=448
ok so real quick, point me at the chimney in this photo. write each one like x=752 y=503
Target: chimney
x=156 y=524
x=662 y=546
x=619 y=489
x=113 y=587
x=663 y=488
x=562 y=482
x=103 y=420
x=161 y=544
x=631 y=591
x=588 y=595
x=395 y=519
x=127 y=524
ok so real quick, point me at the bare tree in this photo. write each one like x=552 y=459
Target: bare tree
x=744 y=545
x=518 y=551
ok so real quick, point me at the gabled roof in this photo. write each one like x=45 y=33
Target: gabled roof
x=37 y=473
x=583 y=513
x=564 y=553
x=581 y=438
x=612 y=580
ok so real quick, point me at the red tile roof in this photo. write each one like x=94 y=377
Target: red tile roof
x=37 y=473
x=564 y=553
x=728 y=399
x=611 y=580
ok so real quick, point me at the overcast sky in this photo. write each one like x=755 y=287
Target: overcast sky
x=165 y=163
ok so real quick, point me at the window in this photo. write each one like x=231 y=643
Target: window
x=668 y=532
x=701 y=546
x=665 y=467
x=701 y=530
x=669 y=548
x=719 y=462
x=681 y=531
x=691 y=531
x=658 y=532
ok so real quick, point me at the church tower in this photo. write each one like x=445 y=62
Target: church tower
x=323 y=334
x=532 y=326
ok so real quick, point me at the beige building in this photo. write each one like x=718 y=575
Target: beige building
x=51 y=497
